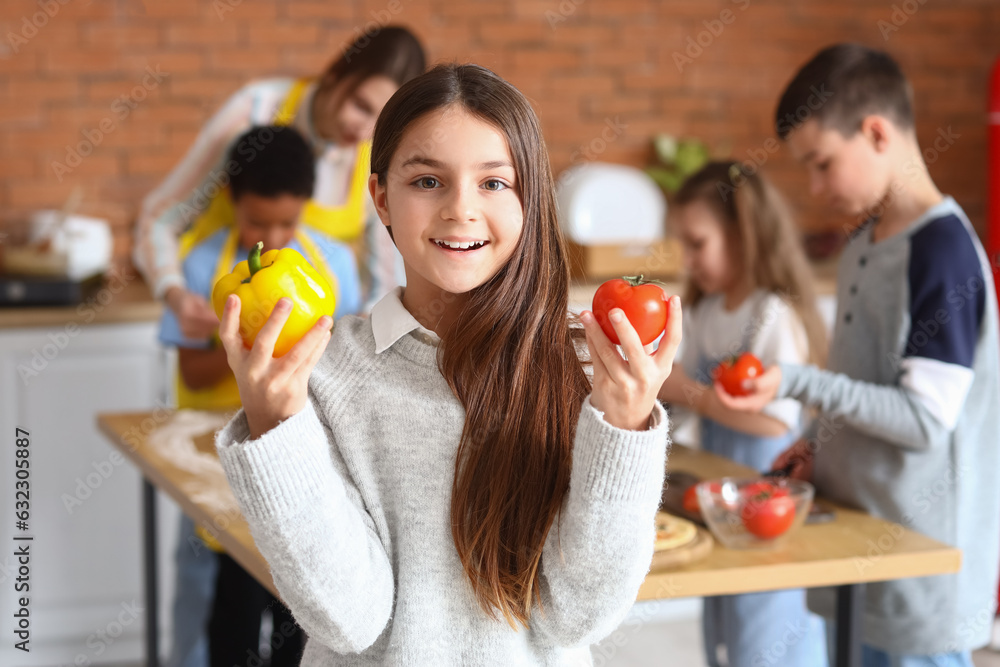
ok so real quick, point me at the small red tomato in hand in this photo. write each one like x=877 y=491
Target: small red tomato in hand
x=733 y=371
x=768 y=512
x=643 y=303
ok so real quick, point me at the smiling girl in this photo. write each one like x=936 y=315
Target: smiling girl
x=446 y=486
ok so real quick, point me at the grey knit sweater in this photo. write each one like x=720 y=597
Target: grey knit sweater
x=349 y=502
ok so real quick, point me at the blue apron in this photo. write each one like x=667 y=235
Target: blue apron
x=772 y=628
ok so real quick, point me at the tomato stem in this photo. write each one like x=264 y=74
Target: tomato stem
x=640 y=279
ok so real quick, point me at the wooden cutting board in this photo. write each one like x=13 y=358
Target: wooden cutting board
x=692 y=552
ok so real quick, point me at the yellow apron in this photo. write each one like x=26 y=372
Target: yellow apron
x=344 y=223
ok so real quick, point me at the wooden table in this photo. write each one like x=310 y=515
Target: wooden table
x=853 y=549
x=131 y=433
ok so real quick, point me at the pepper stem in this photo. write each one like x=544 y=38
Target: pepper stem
x=253 y=259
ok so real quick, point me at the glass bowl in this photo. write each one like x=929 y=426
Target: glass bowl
x=755 y=513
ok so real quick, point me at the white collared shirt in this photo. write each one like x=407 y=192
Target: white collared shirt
x=391 y=321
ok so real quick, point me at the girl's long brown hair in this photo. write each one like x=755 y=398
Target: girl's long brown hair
x=757 y=218
x=511 y=358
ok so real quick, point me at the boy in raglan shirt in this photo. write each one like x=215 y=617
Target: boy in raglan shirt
x=910 y=402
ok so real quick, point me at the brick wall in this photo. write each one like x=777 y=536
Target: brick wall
x=603 y=75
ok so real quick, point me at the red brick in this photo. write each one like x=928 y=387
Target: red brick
x=169 y=114
x=174 y=9
x=262 y=61
x=19 y=113
x=620 y=9
x=45 y=193
x=609 y=105
x=48 y=89
x=470 y=10
x=308 y=9
x=302 y=34
x=120 y=35
x=18 y=166
x=553 y=12
x=79 y=61
x=204 y=32
x=59 y=34
x=211 y=91
x=99 y=164
x=508 y=32
x=581 y=83
x=262 y=11
x=21 y=63
x=151 y=163
x=171 y=63
x=546 y=60
x=590 y=35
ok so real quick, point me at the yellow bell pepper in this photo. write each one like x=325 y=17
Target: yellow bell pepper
x=263 y=279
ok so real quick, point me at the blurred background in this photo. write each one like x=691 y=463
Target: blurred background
x=594 y=69
x=100 y=99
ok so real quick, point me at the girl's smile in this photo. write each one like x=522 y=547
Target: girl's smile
x=459 y=244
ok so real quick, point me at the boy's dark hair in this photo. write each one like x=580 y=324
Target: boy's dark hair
x=843 y=84
x=269 y=161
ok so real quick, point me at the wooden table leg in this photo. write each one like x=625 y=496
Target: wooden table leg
x=149 y=558
x=850 y=608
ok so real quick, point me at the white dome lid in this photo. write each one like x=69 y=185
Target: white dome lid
x=601 y=203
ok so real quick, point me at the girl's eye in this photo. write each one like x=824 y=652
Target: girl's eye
x=427 y=183
x=494 y=185
x=823 y=166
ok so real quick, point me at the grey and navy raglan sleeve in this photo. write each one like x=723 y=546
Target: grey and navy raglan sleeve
x=946 y=310
x=310 y=524
x=595 y=559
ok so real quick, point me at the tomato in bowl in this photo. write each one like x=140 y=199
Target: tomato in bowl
x=754 y=513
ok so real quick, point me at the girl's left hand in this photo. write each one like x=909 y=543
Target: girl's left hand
x=625 y=391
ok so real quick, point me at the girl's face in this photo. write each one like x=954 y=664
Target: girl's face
x=349 y=117
x=709 y=253
x=451 y=199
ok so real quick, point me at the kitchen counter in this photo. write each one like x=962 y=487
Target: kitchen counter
x=123 y=298
x=126 y=298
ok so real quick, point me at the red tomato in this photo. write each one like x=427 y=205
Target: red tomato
x=643 y=302
x=769 y=512
x=732 y=372
x=757 y=488
x=691 y=500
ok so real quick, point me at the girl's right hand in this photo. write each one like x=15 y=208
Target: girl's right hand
x=271 y=389
x=800 y=457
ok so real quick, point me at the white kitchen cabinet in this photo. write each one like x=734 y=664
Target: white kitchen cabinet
x=86 y=586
